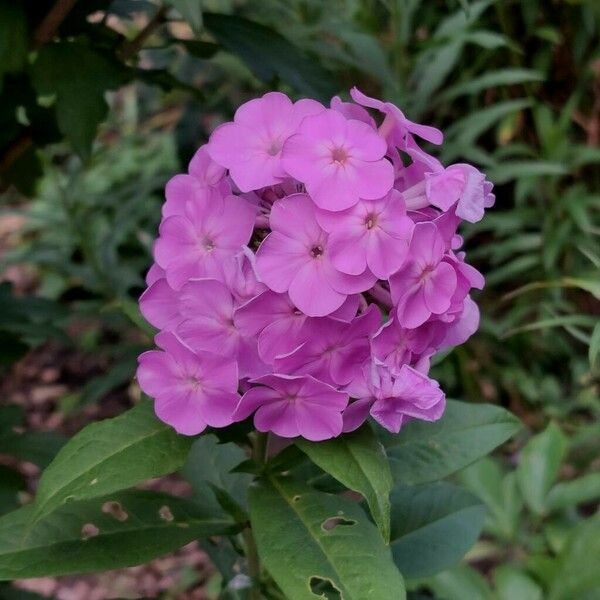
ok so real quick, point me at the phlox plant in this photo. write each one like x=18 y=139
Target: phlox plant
x=308 y=267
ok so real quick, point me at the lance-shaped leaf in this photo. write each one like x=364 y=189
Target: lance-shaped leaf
x=311 y=542
x=433 y=526
x=269 y=55
x=115 y=531
x=111 y=455
x=357 y=460
x=423 y=452
x=539 y=464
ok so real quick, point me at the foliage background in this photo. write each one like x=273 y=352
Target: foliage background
x=99 y=109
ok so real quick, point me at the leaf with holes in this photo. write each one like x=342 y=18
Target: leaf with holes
x=312 y=542
x=116 y=531
x=109 y=456
x=358 y=461
x=424 y=452
x=433 y=526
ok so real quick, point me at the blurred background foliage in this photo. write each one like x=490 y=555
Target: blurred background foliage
x=102 y=101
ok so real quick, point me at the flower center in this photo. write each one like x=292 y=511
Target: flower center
x=274 y=147
x=370 y=221
x=208 y=245
x=339 y=155
x=316 y=251
x=193 y=382
x=426 y=274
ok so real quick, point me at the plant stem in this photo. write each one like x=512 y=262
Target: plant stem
x=47 y=28
x=259 y=455
x=131 y=48
x=253 y=563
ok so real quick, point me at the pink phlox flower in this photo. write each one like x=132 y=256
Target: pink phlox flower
x=292 y=406
x=395 y=125
x=339 y=160
x=280 y=326
x=250 y=146
x=196 y=244
x=239 y=275
x=337 y=350
x=191 y=390
x=372 y=234
x=203 y=173
x=295 y=258
x=426 y=283
x=207 y=308
x=463 y=185
x=393 y=398
x=396 y=346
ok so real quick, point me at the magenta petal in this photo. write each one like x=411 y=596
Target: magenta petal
x=294 y=216
x=385 y=413
x=356 y=414
x=413 y=311
x=316 y=424
x=312 y=293
x=184 y=417
x=439 y=287
x=278 y=417
x=218 y=406
x=158 y=304
x=348 y=250
x=375 y=179
x=279 y=259
x=253 y=399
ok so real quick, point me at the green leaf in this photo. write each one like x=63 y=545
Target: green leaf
x=424 y=452
x=469 y=128
x=80 y=105
x=116 y=531
x=11 y=483
x=538 y=466
x=489 y=39
x=358 y=460
x=208 y=467
x=571 y=493
x=307 y=539
x=111 y=455
x=594 y=349
x=271 y=56
x=509 y=170
x=8 y=592
x=14 y=38
x=38 y=447
x=460 y=583
x=577 y=572
x=514 y=584
x=499 y=493
x=433 y=526
x=490 y=79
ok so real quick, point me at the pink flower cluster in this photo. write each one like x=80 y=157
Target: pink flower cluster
x=307 y=269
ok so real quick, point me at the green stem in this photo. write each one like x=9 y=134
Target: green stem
x=259 y=455
x=253 y=563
